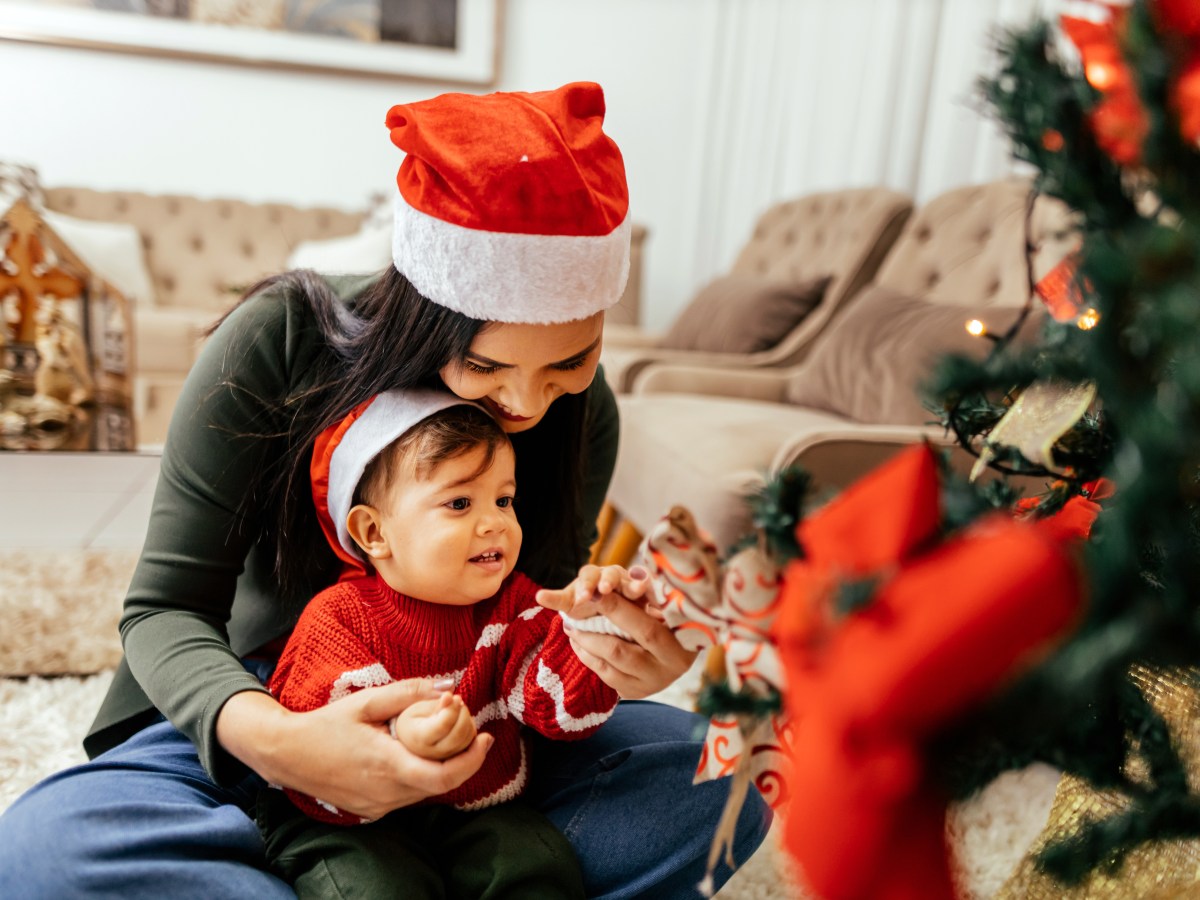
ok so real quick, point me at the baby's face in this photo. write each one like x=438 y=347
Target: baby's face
x=454 y=537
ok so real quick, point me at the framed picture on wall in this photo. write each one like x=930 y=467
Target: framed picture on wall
x=438 y=40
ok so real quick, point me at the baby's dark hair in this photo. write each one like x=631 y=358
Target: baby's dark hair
x=446 y=434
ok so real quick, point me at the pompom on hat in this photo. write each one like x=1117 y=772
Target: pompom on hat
x=342 y=452
x=512 y=207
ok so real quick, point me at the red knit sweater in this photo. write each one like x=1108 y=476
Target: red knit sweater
x=510 y=660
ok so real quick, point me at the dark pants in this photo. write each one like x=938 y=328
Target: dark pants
x=421 y=853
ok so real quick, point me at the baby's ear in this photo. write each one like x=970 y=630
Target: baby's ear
x=363 y=524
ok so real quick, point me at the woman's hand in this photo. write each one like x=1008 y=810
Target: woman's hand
x=646 y=663
x=593 y=582
x=343 y=753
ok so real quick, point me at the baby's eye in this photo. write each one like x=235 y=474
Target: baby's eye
x=504 y=502
x=459 y=504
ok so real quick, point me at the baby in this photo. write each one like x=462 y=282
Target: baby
x=415 y=492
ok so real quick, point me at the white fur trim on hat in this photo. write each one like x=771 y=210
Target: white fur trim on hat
x=390 y=415
x=505 y=277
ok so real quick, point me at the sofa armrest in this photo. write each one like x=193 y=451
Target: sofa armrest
x=836 y=459
x=743 y=384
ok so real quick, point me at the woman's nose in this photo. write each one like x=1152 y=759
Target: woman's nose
x=530 y=398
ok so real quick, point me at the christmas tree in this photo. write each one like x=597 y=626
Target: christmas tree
x=903 y=697
x=1106 y=111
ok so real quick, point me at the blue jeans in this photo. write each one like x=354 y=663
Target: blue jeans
x=145 y=820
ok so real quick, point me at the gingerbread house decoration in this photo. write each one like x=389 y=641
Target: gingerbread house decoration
x=66 y=348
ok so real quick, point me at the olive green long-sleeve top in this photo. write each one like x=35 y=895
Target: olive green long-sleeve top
x=203 y=592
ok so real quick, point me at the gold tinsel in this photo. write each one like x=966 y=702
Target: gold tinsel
x=1159 y=869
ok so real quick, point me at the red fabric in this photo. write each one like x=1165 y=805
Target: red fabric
x=1185 y=99
x=1119 y=121
x=1061 y=292
x=945 y=627
x=361 y=633
x=1181 y=16
x=326 y=442
x=1077 y=516
x=515 y=163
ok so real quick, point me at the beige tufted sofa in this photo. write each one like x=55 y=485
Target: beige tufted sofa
x=706 y=437
x=842 y=234
x=201 y=254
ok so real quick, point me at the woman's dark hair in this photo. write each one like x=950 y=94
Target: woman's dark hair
x=395 y=338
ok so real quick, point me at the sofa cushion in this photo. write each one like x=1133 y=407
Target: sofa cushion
x=169 y=339
x=367 y=250
x=870 y=362
x=113 y=250
x=743 y=313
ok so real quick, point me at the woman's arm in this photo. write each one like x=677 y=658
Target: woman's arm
x=344 y=752
x=177 y=619
x=175 y=625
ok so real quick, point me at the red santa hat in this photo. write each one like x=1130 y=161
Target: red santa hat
x=512 y=207
x=342 y=452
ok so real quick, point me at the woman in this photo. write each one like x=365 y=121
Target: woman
x=511 y=239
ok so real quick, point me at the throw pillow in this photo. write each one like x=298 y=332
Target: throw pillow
x=367 y=250
x=113 y=250
x=870 y=363
x=742 y=313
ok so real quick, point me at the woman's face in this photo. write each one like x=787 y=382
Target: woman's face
x=517 y=371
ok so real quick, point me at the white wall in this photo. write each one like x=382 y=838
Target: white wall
x=720 y=107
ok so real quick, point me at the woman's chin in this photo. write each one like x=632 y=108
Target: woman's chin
x=516 y=426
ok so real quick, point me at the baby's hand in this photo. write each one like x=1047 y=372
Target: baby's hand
x=437 y=728
x=576 y=603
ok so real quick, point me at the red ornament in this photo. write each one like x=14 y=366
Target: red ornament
x=1052 y=140
x=1119 y=121
x=1060 y=290
x=1185 y=98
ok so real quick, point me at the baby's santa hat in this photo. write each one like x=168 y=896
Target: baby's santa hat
x=342 y=452
x=513 y=207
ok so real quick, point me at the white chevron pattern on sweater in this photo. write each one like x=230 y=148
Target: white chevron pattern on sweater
x=373 y=675
x=494 y=711
x=549 y=681
x=516 y=697
x=510 y=791
x=491 y=635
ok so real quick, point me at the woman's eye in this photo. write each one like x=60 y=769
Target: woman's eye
x=504 y=502
x=572 y=365
x=459 y=504
x=476 y=369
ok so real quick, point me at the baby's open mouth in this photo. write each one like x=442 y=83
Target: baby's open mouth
x=489 y=556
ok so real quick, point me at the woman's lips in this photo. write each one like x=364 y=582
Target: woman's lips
x=504 y=414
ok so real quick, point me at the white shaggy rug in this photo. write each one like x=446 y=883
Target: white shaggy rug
x=58 y=644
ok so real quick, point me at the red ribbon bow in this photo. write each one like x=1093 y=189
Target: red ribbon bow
x=948 y=622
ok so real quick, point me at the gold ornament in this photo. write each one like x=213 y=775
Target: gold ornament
x=1043 y=413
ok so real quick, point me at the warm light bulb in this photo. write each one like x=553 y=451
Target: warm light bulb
x=976 y=328
x=1100 y=75
x=1089 y=319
